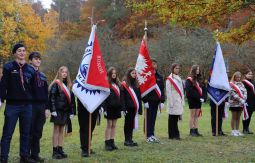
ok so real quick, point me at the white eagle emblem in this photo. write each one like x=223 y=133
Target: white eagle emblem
x=141 y=67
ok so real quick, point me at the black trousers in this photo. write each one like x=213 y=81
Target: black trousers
x=246 y=123
x=173 y=131
x=83 y=118
x=38 y=121
x=129 y=124
x=213 y=117
x=151 y=118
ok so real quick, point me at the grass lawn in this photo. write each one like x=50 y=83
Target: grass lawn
x=190 y=149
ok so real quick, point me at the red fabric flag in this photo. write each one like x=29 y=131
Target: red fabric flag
x=97 y=74
x=145 y=71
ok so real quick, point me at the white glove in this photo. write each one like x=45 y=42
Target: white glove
x=243 y=101
x=227 y=104
x=54 y=114
x=202 y=100
x=146 y=105
x=47 y=113
x=71 y=116
x=123 y=113
x=161 y=105
x=105 y=113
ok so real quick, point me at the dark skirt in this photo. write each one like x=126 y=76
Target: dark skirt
x=236 y=109
x=194 y=104
x=113 y=113
x=60 y=119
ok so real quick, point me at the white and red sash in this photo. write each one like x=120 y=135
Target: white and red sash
x=65 y=90
x=199 y=89
x=157 y=90
x=135 y=101
x=175 y=85
x=250 y=85
x=236 y=88
x=116 y=89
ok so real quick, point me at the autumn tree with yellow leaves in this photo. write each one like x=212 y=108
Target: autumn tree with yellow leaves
x=217 y=14
x=19 y=23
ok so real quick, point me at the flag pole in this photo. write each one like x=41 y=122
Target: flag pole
x=90 y=115
x=89 y=147
x=145 y=110
x=217 y=120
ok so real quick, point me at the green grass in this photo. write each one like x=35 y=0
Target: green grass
x=190 y=149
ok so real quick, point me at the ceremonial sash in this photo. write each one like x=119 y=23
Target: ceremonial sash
x=199 y=89
x=65 y=90
x=250 y=85
x=245 y=112
x=135 y=101
x=175 y=86
x=157 y=89
x=116 y=89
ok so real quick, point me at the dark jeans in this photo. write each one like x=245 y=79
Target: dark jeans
x=213 y=118
x=12 y=114
x=129 y=125
x=38 y=120
x=246 y=123
x=173 y=131
x=151 y=118
x=83 y=118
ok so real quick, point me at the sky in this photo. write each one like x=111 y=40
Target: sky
x=46 y=3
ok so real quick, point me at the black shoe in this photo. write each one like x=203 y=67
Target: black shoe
x=61 y=152
x=213 y=134
x=193 y=132
x=114 y=147
x=222 y=134
x=245 y=131
x=84 y=153
x=134 y=143
x=56 y=154
x=249 y=132
x=37 y=158
x=197 y=133
x=108 y=146
x=26 y=160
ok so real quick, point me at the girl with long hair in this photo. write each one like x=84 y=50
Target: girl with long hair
x=237 y=101
x=112 y=108
x=132 y=105
x=196 y=97
x=62 y=105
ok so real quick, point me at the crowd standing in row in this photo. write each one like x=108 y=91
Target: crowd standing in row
x=29 y=99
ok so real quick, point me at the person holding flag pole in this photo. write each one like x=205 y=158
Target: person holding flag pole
x=151 y=87
x=91 y=87
x=218 y=90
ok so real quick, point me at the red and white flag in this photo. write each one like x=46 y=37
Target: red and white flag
x=91 y=85
x=145 y=72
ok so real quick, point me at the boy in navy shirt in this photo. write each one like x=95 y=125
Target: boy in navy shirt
x=39 y=107
x=16 y=89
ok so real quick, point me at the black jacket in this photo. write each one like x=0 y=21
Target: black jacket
x=128 y=104
x=152 y=96
x=41 y=89
x=192 y=93
x=11 y=88
x=250 y=96
x=113 y=101
x=58 y=100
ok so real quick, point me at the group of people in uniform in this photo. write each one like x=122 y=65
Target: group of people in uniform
x=29 y=99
